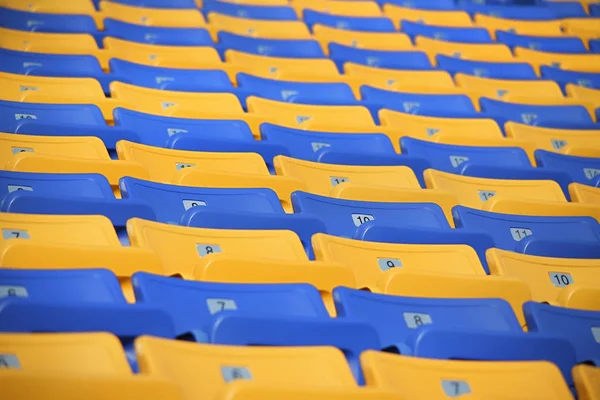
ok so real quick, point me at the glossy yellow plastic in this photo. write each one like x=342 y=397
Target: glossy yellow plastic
x=587 y=382
x=362 y=40
x=169 y=18
x=14 y=87
x=276 y=65
x=356 y=8
x=578 y=62
x=581 y=296
x=429 y=17
x=584 y=194
x=500 y=88
x=392 y=78
x=553 y=139
x=257 y=28
x=468 y=51
x=521 y=27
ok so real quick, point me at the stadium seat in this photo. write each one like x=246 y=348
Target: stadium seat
x=498 y=88
x=390 y=78
x=174 y=18
x=181 y=248
x=564 y=77
x=380 y=310
x=42 y=22
x=584 y=193
x=180 y=362
x=484 y=69
x=66 y=354
x=275 y=12
x=546 y=276
x=578 y=62
x=450 y=34
x=578 y=326
x=586 y=378
x=272 y=66
x=584 y=93
x=469 y=51
x=518 y=26
x=264 y=29
x=55 y=43
x=53 y=6
x=414 y=60
x=440 y=379
x=162 y=164
x=251 y=391
x=358 y=8
x=580 y=169
x=157 y=35
x=474 y=192
x=542 y=43
x=357 y=23
x=450 y=18
x=552 y=139
x=176 y=4
x=507 y=10
x=16 y=87
x=580 y=296
x=302 y=48
x=327 y=36
x=429 y=105
x=582 y=27
x=370 y=261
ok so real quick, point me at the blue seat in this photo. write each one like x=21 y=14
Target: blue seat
x=341 y=54
x=157 y=131
x=518 y=232
x=397 y=317
x=449 y=34
x=525 y=12
x=365 y=24
x=276 y=13
x=270 y=47
x=568 y=117
x=581 y=328
x=171 y=202
x=431 y=105
x=595 y=45
x=580 y=169
x=564 y=248
x=541 y=43
x=441 y=5
x=159 y=3
x=42 y=22
x=461 y=344
x=595 y=10
x=156 y=35
x=569 y=9
x=495 y=70
x=479 y=240
x=187 y=80
x=342 y=217
x=310 y=145
x=305 y=226
x=563 y=77
x=69 y=286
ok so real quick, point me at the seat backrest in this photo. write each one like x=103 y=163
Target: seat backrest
x=157 y=35
x=251 y=391
x=358 y=8
x=15 y=87
x=361 y=39
x=395 y=78
x=54 y=43
x=272 y=66
x=259 y=28
x=429 y=17
x=498 y=88
x=522 y=27
x=469 y=51
x=183 y=18
x=553 y=139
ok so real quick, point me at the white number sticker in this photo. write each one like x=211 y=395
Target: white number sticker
x=17 y=150
x=14 y=188
x=336 y=180
x=187 y=204
x=25 y=116
x=172 y=131
x=457 y=160
x=560 y=279
x=180 y=166
x=519 y=234
x=206 y=249
x=388 y=263
x=558 y=144
x=415 y=320
x=15 y=234
x=235 y=373
x=216 y=305
x=455 y=388
x=316 y=146
x=9 y=361
x=591 y=173
x=596 y=333
x=360 y=219
x=13 y=291
x=484 y=195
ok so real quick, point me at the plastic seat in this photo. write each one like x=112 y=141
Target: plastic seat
x=181 y=248
x=546 y=276
x=41 y=22
x=66 y=354
x=380 y=310
x=321 y=178
x=451 y=34
x=173 y=18
x=586 y=377
x=553 y=139
x=507 y=10
x=275 y=12
x=358 y=23
x=343 y=217
x=303 y=48
x=390 y=78
x=56 y=386
x=358 y=8
x=55 y=43
x=468 y=51
x=56 y=7
x=443 y=5
x=542 y=43
x=440 y=379
x=483 y=69
x=327 y=35
x=273 y=66
x=157 y=35
x=162 y=164
x=16 y=87
x=177 y=4
x=577 y=326
x=584 y=93
x=564 y=77
x=521 y=27
x=499 y=88
x=257 y=28
x=452 y=18
x=580 y=296
x=584 y=193
x=577 y=62
x=180 y=361
x=528 y=234
x=580 y=169
x=378 y=58
x=171 y=202
x=243 y=391
x=370 y=261
x=582 y=27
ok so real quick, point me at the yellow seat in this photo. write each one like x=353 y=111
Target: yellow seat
x=182 y=363
x=429 y=17
x=577 y=62
x=56 y=386
x=275 y=65
x=250 y=391
x=391 y=78
x=534 y=99
x=14 y=87
x=583 y=151
x=59 y=43
x=51 y=6
x=321 y=178
x=401 y=282
x=325 y=276
x=522 y=27
x=65 y=353
x=372 y=261
x=431 y=379
x=257 y=28
x=500 y=88
x=467 y=51
x=353 y=191
x=361 y=40
x=424 y=127
x=300 y=115
x=199 y=3
x=356 y=8
x=475 y=192
x=581 y=296
x=170 y=18
x=587 y=28
x=182 y=248
x=162 y=102
x=546 y=276
x=282 y=185
x=587 y=382
x=553 y=139
x=583 y=93
x=584 y=194
x=162 y=164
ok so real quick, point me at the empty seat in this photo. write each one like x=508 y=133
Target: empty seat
x=584 y=193
x=358 y=8
x=583 y=93
x=484 y=69
x=174 y=18
x=171 y=202
x=586 y=377
x=57 y=43
x=429 y=17
x=391 y=78
x=162 y=164
x=522 y=27
x=506 y=10
x=177 y=4
x=57 y=7
x=274 y=12
x=577 y=62
x=68 y=354
x=251 y=391
x=181 y=248
x=440 y=379
x=301 y=48
x=343 y=217
x=180 y=362
x=580 y=169
x=396 y=317
x=564 y=77
x=378 y=58
x=274 y=66
x=542 y=43
x=451 y=34
x=369 y=261
x=157 y=35
x=552 y=139
x=358 y=23
x=580 y=296
x=469 y=51
x=42 y=22
x=577 y=326
x=16 y=87
x=264 y=29
x=359 y=39
x=474 y=192
x=498 y=88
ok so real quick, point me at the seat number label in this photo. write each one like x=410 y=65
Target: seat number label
x=560 y=279
x=14 y=234
x=415 y=320
x=217 y=305
x=519 y=234
x=388 y=263
x=206 y=249
x=360 y=219
x=234 y=373
x=455 y=388
x=13 y=291
x=187 y=204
